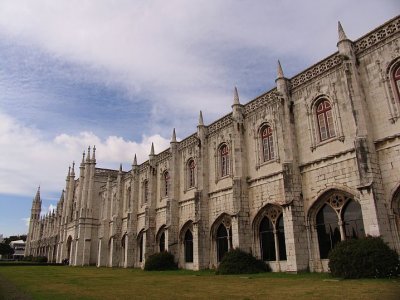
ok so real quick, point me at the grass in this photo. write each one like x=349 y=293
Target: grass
x=55 y=282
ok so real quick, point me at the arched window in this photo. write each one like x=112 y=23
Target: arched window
x=396 y=80
x=223 y=241
x=123 y=249
x=191 y=166
x=166 y=183
x=141 y=248
x=161 y=242
x=271 y=234
x=188 y=246
x=267 y=240
x=267 y=143
x=327 y=230
x=325 y=120
x=281 y=238
x=224 y=160
x=353 y=223
x=145 y=191
x=339 y=218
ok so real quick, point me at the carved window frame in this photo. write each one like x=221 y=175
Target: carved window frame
x=219 y=174
x=190 y=173
x=313 y=124
x=165 y=184
x=145 y=191
x=260 y=146
x=392 y=92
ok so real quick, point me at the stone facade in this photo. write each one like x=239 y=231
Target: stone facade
x=287 y=175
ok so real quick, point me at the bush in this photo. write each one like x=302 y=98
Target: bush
x=39 y=259
x=28 y=258
x=160 y=262
x=369 y=257
x=239 y=262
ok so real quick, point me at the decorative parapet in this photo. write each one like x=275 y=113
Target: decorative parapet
x=374 y=37
x=316 y=70
x=106 y=172
x=220 y=123
x=267 y=98
x=144 y=166
x=190 y=140
x=166 y=154
x=379 y=34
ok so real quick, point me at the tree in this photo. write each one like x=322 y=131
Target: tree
x=6 y=249
x=12 y=238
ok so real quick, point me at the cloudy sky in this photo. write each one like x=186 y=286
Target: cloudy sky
x=123 y=74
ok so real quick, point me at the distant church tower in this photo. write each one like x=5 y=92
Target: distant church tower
x=35 y=216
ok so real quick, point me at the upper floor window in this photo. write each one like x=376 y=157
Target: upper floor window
x=267 y=143
x=396 y=80
x=191 y=173
x=325 y=120
x=224 y=160
x=145 y=191
x=166 y=183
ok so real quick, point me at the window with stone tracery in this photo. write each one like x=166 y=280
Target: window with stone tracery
x=267 y=143
x=188 y=246
x=145 y=191
x=325 y=120
x=396 y=80
x=272 y=235
x=338 y=219
x=224 y=160
x=191 y=168
x=165 y=183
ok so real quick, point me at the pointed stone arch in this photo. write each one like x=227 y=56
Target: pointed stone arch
x=395 y=210
x=334 y=216
x=269 y=234
x=186 y=245
x=160 y=239
x=221 y=237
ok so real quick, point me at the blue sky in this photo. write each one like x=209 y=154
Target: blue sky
x=120 y=75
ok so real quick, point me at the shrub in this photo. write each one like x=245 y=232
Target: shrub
x=39 y=259
x=369 y=257
x=28 y=258
x=160 y=262
x=239 y=262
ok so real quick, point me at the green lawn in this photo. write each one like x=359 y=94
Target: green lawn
x=61 y=282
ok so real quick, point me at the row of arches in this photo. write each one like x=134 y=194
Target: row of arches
x=336 y=217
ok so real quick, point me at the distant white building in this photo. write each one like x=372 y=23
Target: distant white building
x=19 y=249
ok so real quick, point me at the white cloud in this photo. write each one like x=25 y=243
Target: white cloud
x=178 y=54
x=26 y=221
x=172 y=50
x=29 y=159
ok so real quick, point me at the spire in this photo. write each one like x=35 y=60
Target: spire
x=73 y=169
x=120 y=168
x=201 y=122
x=69 y=171
x=94 y=153
x=173 y=140
x=88 y=154
x=280 y=71
x=342 y=34
x=83 y=157
x=62 y=196
x=152 y=149
x=134 y=161
x=37 y=196
x=235 y=97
